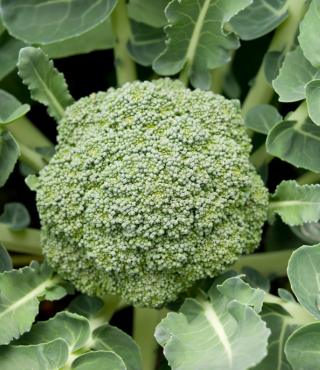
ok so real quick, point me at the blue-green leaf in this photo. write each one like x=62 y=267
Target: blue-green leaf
x=313 y=100
x=196 y=40
x=10 y=108
x=45 y=83
x=105 y=360
x=9 y=154
x=45 y=21
x=149 y=12
x=15 y=215
x=262 y=118
x=9 y=51
x=260 y=18
x=5 y=260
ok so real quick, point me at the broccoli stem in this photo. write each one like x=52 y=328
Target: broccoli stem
x=31 y=157
x=23 y=241
x=267 y=263
x=261 y=92
x=260 y=157
x=308 y=178
x=145 y=321
x=124 y=65
x=26 y=133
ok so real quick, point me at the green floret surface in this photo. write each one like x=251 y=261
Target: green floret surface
x=150 y=190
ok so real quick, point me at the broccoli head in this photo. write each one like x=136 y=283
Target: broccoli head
x=150 y=189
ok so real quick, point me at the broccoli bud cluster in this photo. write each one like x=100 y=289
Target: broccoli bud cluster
x=150 y=190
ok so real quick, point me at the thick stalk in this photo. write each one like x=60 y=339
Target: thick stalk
x=145 y=321
x=260 y=157
x=261 y=92
x=308 y=178
x=267 y=263
x=125 y=67
x=23 y=241
x=111 y=304
x=31 y=157
x=26 y=133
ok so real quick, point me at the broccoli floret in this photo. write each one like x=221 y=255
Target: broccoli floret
x=150 y=189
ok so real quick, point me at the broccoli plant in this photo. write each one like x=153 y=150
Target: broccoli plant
x=168 y=217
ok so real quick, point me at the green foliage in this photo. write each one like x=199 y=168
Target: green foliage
x=9 y=154
x=10 y=108
x=45 y=83
x=15 y=215
x=262 y=118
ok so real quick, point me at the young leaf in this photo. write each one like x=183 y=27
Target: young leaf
x=309 y=233
x=308 y=37
x=45 y=356
x=52 y=21
x=281 y=325
x=149 y=12
x=303 y=347
x=272 y=62
x=213 y=334
x=295 y=73
x=259 y=18
x=10 y=108
x=295 y=204
x=15 y=215
x=313 y=100
x=45 y=83
x=106 y=360
x=5 y=260
x=303 y=270
x=20 y=292
x=73 y=328
x=86 y=306
x=297 y=143
x=9 y=154
x=196 y=39
x=262 y=118
x=110 y=338
x=9 y=51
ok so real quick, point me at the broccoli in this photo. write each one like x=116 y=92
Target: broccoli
x=150 y=190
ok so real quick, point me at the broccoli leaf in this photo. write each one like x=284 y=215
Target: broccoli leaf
x=313 y=99
x=308 y=37
x=259 y=18
x=5 y=260
x=214 y=333
x=303 y=269
x=10 y=108
x=196 y=39
x=15 y=215
x=51 y=21
x=45 y=356
x=262 y=118
x=106 y=360
x=295 y=73
x=45 y=83
x=20 y=292
x=295 y=204
x=9 y=154
x=149 y=12
x=303 y=347
x=9 y=51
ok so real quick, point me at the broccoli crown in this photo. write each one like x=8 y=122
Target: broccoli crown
x=150 y=189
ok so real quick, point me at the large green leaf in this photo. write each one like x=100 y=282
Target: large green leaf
x=20 y=292
x=15 y=215
x=262 y=118
x=295 y=73
x=10 y=108
x=308 y=233
x=110 y=338
x=303 y=347
x=99 y=38
x=296 y=142
x=313 y=100
x=146 y=44
x=9 y=154
x=73 y=328
x=295 y=204
x=46 y=356
x=214 y=333
x=45 y=83
x=260 y=18
x=149 y=12
x=308 y=37
x=9 y=51
x=46 y=21
x=105 y=360
x=196 y=39
x=303 y=273
x=5 y=260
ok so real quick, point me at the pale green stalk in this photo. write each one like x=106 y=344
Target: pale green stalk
x=23 y=241
x=261 y=92
x=124 y=65
x=30 y=157
x=308 y=178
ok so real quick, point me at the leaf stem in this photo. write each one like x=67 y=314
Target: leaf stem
x=260 y=157
x=23 y=241
x=308 y=178
x=31 y=157
x=144 y=324
x=111 y=303
x=125 y=67
x=261 y=92
x=267 y=263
